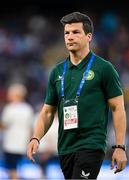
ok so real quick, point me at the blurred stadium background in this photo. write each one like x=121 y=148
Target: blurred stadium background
x=31 y=42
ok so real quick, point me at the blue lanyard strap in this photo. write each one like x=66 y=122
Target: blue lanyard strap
x=83 y=78
x=62 y=79
x=85 y=75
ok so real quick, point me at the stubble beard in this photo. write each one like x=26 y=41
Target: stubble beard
x=73 y=49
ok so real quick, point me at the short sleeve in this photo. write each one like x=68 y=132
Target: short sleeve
x=111 y=81
x=51 y=94
x=5 y=116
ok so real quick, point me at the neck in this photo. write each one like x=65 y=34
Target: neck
x=77 y=56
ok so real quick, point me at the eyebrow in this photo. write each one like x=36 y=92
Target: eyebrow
x=75 y=30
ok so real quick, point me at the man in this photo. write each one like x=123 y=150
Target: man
x=17 y=120
x=82 y=88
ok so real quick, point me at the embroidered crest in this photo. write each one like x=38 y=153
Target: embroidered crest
x=90 y=75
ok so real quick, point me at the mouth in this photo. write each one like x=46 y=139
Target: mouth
x=71 y=44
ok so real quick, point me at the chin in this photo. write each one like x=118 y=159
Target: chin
x=72 y=49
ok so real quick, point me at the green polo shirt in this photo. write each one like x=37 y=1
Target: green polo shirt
x=101 y=84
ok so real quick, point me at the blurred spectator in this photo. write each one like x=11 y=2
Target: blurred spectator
x=17 y=120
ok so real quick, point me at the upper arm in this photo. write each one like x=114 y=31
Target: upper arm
x=5 y=116
x=116 y=103
x=111 y=82
x=49 y=109
x=51 y=93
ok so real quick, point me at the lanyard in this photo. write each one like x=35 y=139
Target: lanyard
x=83 y=78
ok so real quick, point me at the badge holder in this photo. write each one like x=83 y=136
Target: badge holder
x=70 y=113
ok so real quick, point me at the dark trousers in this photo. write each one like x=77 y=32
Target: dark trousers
x=83 y=164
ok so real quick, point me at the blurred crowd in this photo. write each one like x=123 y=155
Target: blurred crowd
x=30 y=45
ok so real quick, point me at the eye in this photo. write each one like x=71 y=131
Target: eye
x=76 y=32
x=66 y=32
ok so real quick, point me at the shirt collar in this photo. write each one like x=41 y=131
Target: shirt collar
x=82 y=63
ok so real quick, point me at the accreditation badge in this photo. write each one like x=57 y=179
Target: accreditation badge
x=70 y=114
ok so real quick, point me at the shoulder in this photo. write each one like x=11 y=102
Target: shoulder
x=104 y=64
x=102 y=61
x=59 y=65
x=57 y=69
x=7 y=107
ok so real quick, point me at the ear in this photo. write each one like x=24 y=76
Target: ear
x=89 y=36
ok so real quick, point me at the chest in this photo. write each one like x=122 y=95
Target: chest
x=72 y=81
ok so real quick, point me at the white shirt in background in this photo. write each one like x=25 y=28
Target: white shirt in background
x=18 y=119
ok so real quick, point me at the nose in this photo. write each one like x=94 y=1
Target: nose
x=70 y=36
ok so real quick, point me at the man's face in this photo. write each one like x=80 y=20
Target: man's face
x=75 y=37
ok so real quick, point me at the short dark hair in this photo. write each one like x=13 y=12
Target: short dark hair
x=78 y=17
